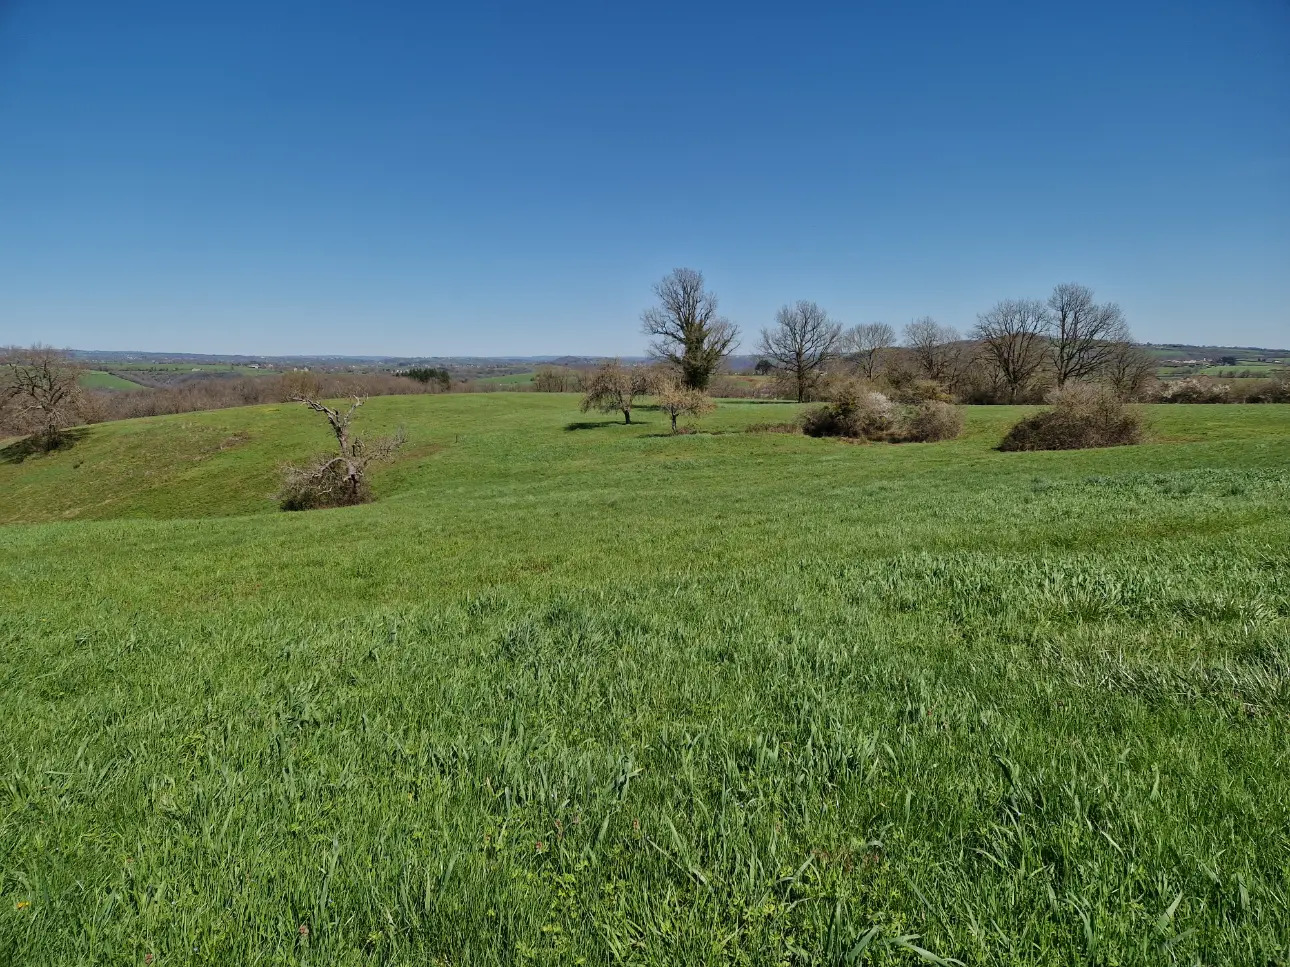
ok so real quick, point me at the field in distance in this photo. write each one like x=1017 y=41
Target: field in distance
x=572 y=689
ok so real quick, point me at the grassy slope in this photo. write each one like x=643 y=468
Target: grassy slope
x=95 y=379
x=605 y=693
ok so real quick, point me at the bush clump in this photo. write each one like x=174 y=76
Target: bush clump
x=931 y=422
x=863 y=414
x=1083 y=416
x=854 y=412
x=1195 y=389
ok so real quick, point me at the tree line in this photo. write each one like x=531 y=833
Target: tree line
x=1016 y=352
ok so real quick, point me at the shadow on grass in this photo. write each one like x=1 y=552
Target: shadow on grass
x=34 y=446
x=597 y=424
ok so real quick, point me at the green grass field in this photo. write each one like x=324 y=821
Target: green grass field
x=574 y=692
x=97 y=379
x=510 y=379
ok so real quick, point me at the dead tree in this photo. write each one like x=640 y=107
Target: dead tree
x=803 y=340
x=686 y=329
x=340 y=479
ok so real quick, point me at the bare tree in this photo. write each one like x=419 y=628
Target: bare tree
x=803 y=340
x=676 y=400
x=932 y=346
x=339 y=479
x=1012 y=336
x=614 y=387
x=1084 y=332
x=865 y=343
x=40 y=393
x=1128 y=370
x=557 y=379
x=686 y=329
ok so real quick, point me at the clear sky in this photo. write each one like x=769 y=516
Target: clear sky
x=503 y=179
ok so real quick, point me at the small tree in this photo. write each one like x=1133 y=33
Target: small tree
x=676 y=400
x=340 y=479
x=865 y=343
x=614 y=387
x=687 y=331
x=803 y=340
x=40 y=393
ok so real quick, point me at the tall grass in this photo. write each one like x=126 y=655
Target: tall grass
x=612 y=696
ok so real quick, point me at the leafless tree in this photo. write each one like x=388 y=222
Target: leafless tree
x=1084 y=332
x=865 y=344
x=557 y=379
x=40 y=393
x=676 y=400
x=1013 y=339
x=336 y=479
x=686 y=329
x=932 y=346
x=803 y=340
x=1128 y=370
x=614 y=387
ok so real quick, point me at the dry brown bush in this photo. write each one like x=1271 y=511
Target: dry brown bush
x=1194 y=389
x=1274 y=390
x=931 y=422
x=855 y=411
x=1082 y=416
x=861 y=413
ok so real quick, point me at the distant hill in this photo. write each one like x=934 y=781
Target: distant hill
x=1180 y=353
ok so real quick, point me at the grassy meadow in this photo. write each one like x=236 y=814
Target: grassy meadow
x=97 y=379
x=573 y=692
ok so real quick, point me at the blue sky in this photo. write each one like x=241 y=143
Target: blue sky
x=433 y=179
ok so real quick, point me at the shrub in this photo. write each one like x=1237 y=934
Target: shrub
x=1083 y=416
x=1274 y=390
x=855 y=412
x=1195 y=389
x=861 y=413
x=932 y=421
